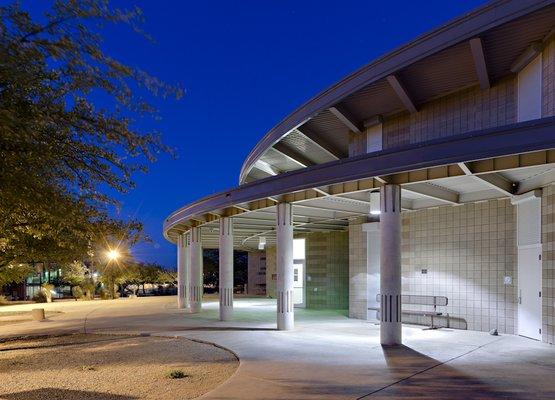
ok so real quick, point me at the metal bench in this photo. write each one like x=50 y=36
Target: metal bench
x=421 y=300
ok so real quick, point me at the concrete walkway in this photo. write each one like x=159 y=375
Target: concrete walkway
x=327 y=356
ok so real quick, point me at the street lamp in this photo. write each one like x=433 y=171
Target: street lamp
x=113 y=254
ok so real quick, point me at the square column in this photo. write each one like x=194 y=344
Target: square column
x=284 y=249
x=390 y=265
x=196 y=288
x=182 y=271
x=226 y=268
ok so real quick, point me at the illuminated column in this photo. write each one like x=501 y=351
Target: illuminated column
x=182 y=270
x=390 y=265
x=195 y=270
x=226 y=269
x=284 y=250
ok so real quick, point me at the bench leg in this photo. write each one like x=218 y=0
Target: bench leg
x=432 y=326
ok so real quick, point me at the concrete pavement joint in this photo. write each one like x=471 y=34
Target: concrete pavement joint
x=427 y=369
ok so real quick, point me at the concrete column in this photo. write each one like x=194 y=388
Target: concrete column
x=390 y=265
x=182 y=270
x=284 y=249
x=195 y=265
x=226 y=269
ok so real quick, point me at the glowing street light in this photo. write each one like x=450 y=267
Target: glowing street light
x=113 y=254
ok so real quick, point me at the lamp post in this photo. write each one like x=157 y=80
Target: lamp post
x=113 y=255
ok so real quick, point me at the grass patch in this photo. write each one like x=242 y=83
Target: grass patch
x=176 y=374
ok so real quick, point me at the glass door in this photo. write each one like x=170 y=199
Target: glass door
x=299 y=272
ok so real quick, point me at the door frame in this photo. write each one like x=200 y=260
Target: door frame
x=537 y=246
x=303 y=262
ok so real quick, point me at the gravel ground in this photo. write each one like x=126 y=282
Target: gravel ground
x=108 y=367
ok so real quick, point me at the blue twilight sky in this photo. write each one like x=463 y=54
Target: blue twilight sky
x=245 y=65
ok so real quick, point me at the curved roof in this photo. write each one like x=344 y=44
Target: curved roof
x=442 y=55
x=305 y=159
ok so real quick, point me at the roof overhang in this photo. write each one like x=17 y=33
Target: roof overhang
x=507 y=148
x=459 y=30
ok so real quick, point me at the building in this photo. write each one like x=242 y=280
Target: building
x=31 y=286
x=428 y=172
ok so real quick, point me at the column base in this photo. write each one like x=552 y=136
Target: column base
x=391 y=333
x=195 y=307
x=226 y=313
x=286 y=322
x=182 y=305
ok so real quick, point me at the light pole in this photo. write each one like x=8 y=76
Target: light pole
x=113 y=255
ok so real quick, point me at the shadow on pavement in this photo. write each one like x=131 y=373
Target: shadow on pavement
x=424 y=377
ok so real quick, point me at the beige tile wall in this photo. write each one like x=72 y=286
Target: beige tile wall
x=271 y=271
x=358 y=302
x=327 y=270
x=464 y=111
x=467 y=251
x=548 y=264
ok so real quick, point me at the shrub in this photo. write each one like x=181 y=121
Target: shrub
x=175 y=374
x=88 y=287
x=47 y=289
x=40 y=297
x=3 y=300
x=77 y=292
x=104 y=294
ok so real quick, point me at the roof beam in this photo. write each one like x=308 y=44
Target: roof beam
x=433 y=192
x=292 y=155
x=526 y=57
x=347 y=118
x=317 y=140
x=477 y=49
x=493 y=180
x=267 y=168
x=499 y=183
x=540 y=180
x=402 y=93
x=406 y=204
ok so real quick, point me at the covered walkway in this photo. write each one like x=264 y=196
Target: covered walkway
x=329 y=356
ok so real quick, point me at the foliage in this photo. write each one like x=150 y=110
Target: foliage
x=3 y=300
x=61 y=150
x=14 y=273
x=74 y=273
x=175 y=374
x=40 y=297
x=104 y=294
x=88 y=287
x=47 y=289
x=77 y=292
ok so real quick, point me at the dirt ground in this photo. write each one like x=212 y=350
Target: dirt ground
x=16 y=317
x=109 y=367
